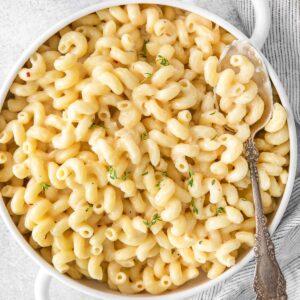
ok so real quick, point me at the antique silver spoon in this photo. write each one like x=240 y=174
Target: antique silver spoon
x=269 y=282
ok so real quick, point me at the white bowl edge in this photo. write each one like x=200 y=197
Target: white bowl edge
x=173 y=294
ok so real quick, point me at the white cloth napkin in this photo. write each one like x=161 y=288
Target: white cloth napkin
x=282 y=49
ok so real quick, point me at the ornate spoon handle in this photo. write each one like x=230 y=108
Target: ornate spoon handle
x=269 y=283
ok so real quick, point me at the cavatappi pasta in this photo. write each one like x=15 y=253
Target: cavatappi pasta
x=122 y=149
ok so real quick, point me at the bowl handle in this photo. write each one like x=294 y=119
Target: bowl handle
x=262 y=21
x=41 y=285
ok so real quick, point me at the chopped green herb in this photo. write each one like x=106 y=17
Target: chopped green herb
x=88 y=208
x=191 y=178
x=200 y=242
x=112 y=173
x=125 y=175
x=164 y=174
x=45 y=186
x=214 y=137
x=94 y=125
x=155 y=218
x=220 y=210
x=244 y=199
x=145 y=173
x=144 y=136
x=162 y=60
x=212 y=113
x=148 y=75
x=158 y=183
x=144 y=49
x=194 y=208
x=213 y=182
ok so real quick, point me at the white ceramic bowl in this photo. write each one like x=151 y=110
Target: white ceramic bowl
x=92 y=288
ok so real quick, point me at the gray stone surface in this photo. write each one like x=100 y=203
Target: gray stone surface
x=21 y=21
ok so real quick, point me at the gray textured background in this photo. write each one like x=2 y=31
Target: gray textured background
x=21 y=21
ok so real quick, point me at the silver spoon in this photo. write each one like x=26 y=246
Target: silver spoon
x=269 y=282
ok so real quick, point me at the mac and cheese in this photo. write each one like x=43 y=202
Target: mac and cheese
x=121 y=149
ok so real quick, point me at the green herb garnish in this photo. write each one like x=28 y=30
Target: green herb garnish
x=155 y=218
x=88 y=208
x=145 y=173
x=94 y=125
x=212 y=113
x=191 y=178
x=148 y=75
x=194 y=208
x=144 y=136
x=162 y=60
x=144 y=49
x=158 y=183
x=244 y=199
x=213 y=182
x=220 y=210
x=200 y=242
x=45 y=186
x=112 y=173
x=125 y=175
x=164 y=173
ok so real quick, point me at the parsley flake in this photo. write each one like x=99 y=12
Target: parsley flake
x=191 y=178
x=125 y=175
x=94 y=125
x=88 y=208
x=45 y=186
x=155 y=218
x=194 y=208
x=148 y=75
x=164 y=174
x=212 y=113
x=144 y=136
x=213 y=182
x=158 y=183
x=145 y=173
x=220 y=210
x=144 y=49
x=162 y=60
x=112 y=173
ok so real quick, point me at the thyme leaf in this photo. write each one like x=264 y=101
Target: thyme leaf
x=155 y=218
x=45 y=186
x=162 y=60
x=112 y=173
x=194 y=208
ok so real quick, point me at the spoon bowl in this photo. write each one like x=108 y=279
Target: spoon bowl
x=260 y=77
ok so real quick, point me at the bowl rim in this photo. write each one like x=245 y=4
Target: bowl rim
x=176 y=293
